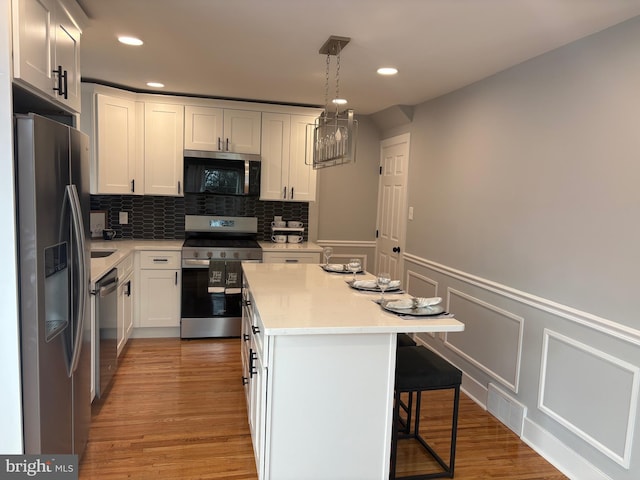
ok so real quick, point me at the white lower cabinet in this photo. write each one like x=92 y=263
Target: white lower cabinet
x=125 y=302
x=318 y=405
x=159 y=289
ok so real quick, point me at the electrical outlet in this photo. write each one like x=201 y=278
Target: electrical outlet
x=410 y=213
x=123 y=218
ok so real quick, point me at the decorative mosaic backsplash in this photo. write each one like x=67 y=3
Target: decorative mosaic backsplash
x=158 y=217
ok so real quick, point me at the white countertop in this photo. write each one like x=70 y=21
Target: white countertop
x=290 y=247
x=303 y=299
x=100 y=266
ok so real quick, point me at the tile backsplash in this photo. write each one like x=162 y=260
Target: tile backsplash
x=159 y=217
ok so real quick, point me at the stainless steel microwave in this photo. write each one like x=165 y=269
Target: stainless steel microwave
x=222 y=173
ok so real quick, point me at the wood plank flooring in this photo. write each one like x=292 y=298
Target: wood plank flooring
x=176 y=410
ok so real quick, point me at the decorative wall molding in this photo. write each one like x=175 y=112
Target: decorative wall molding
x=510 y=382
x=594 y=395
x=595 y=322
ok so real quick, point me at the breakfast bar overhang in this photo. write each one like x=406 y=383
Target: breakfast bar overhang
x=319 y=367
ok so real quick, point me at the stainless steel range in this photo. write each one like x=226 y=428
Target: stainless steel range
x=213 y=248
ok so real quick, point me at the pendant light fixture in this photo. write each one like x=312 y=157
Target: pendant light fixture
x=335 y=131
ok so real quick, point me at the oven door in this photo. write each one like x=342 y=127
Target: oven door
x=205 y=314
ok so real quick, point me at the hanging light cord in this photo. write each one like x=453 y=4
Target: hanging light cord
x=326 y=87
x=338 y=80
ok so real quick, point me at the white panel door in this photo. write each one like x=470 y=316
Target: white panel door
x=302 y=176
x=394 y=162
x=203 y=128
x=274 y=174
x=163 y=149
x=242 y=131
x=34 y=43
x=116 y=154
x=67 y=56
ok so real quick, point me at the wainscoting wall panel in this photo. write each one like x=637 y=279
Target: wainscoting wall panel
x=578 y=380
x=482 y=319
x=576 y=374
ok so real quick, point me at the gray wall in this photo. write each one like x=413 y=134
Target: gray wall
x=526 y=207
x=348 y=194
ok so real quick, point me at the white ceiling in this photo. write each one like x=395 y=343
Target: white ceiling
x=267 y=50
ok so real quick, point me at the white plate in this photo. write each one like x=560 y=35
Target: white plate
x=337 y=268
x=405 y=307
x=370 y=286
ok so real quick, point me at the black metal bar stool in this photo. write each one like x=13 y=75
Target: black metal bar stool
x=418 y=369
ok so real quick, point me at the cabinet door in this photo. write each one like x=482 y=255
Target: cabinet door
x=115 y=145
x=67 y=57
x=163 y=149
x=276 y=134
x=203 y=128
x=159 y=298
x=302 y=176
x=33 y=43
x=242 y=131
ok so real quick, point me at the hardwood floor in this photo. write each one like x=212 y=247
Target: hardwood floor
x=176 y=410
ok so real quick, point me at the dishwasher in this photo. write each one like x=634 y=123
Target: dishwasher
x=106 y=293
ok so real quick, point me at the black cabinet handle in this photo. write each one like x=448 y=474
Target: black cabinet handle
x=176 y=278
x=245 y=380
x=179 y=188
x=255 y=329
x=66 y=88
x=396 y=249
x=245 y=337
x=59 y=88
x=291 y=193
x=253 y=356
x=127 y=292
x=133 y=185
x=219 y=143
x=227 y=147
x=284 y=193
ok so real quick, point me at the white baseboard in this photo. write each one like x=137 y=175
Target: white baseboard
x=558 y=454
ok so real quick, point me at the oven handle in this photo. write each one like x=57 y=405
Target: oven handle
x=195 y=263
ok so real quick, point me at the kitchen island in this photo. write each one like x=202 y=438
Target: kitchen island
x=319 y=363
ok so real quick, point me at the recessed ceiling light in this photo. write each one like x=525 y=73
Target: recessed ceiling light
x=387 y=71
x=339 y=101
x=155 y=84
x=130 y=41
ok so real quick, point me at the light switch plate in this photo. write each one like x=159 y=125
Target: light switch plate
x=98 y=222
x=123 y=218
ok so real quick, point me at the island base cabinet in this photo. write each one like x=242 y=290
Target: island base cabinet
x=317 y=424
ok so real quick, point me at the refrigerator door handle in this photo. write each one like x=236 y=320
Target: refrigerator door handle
x=81 y=302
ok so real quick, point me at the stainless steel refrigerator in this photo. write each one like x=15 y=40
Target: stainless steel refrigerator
x=52 y=192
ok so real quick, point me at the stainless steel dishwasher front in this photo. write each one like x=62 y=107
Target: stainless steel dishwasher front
x=106 y=293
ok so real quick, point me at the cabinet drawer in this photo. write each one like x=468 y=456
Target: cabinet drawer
x=298 y=257
x=160 y=260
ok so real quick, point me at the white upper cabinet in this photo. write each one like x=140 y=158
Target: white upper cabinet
x=46 y=49
x=286 y=145
x=221 y=130
x=116 y=160
x=163 y=149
